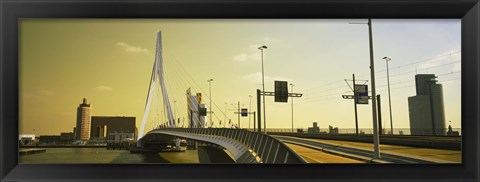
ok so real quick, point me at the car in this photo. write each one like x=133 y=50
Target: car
x=183 y=142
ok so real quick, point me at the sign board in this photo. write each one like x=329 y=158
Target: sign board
x=361 y=94
x=244 y=112
x=281 y=91
x=202 y=111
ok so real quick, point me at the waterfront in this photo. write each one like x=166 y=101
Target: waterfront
x=118 y=100
x=104 y=156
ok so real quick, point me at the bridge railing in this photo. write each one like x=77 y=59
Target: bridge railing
x=266 y=147
x=396 y=131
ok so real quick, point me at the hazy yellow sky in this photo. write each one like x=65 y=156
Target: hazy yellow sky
x=109 y=62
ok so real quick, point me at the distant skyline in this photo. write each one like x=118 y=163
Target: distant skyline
x=109 y=62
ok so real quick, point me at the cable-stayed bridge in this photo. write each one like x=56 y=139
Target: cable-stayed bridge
x=248 y=146
x=245 y=146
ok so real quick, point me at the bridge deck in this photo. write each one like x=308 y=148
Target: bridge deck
x=316 y=156
x=414 y=153
x=245 y=146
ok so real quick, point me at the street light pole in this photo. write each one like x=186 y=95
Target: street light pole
x=374 y=104
x=225 y=118
x=389 y=99
x=292 y=106
x=250 y=110
x=174 y=108
x=238 y=115
x=376 y=139
x=263 y=90
x=210 y=90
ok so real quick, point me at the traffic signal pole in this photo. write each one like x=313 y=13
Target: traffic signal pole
x=259 y=108
x=379 y=109
x=355 y=105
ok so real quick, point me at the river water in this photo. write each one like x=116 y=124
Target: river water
x=104 y=156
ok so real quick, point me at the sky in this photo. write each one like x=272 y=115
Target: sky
x=109 y=62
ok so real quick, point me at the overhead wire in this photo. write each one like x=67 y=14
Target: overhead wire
x=198 y=86
x=310 y=99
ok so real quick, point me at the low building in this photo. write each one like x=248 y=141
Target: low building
x=50 y=139
x=314 y=129
x=26 y=139
x=118 y=137
x=332 y=130
x=67 y=138
x=103 y=126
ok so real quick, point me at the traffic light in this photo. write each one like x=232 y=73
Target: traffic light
x=281 y=91
x=244 y=112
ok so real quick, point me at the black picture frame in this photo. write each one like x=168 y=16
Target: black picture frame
x=12 y=10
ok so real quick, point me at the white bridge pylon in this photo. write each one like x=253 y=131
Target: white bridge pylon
x=157 y=74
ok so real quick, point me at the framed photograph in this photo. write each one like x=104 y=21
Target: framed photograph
x=239 y=90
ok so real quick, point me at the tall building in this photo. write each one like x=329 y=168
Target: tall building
x=194 y=106
x=83 y=121
x=426 y=110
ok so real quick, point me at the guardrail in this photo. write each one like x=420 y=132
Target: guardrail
x=437 y=142
x=385 y=131
x=267 y=148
